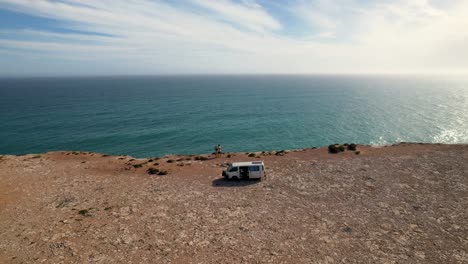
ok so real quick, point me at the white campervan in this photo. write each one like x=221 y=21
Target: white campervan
x=245 y=170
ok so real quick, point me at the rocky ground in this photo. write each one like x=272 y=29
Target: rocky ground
x=398 y=204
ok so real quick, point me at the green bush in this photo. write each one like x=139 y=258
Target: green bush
x=252 y=155
x=170 y=161
x=342 y=148
x=352 y=147
x=137 y=166
x=163 y=172
x=333 y=149
x=152 y=171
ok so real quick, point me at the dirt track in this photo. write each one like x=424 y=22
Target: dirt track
x=399 y=204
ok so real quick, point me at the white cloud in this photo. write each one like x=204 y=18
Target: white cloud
x=227 y=36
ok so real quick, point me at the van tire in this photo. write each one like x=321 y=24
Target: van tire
x=234 y=178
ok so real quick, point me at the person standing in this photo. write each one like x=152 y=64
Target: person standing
x=219 y=152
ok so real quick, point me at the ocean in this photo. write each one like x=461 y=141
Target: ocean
x=155 y=116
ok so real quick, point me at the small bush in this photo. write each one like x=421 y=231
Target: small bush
x=342 y=148
x=36 y=157
x=251 y=155
x=180 y=159
x=333 y=149
x=170 y=161
x=152 y=171
x=137 y=166
x=84 y=212
x=131 y=159
x=150 y=160
x=201 y=158
x=229 y=155
x=358 y=152
x=180 y=164
x=188 y=158
x=352 y=147
x=163 y=172
x=155 y=164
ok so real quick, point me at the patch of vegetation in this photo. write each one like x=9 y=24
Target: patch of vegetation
x=358 y=152
x=137 y=165
x=280 y=153
x=131 y=159
x=341 y=148
x=105 y=155
x=335 y=148
x=152 y=171
x=36 y=157
x=65 y=202
x=150 y=160
x=229 y=155
x=201 y=158
x=75 y=153
x=352 y=147
x=251 y=155
x=170 y=161
x=188 y=158
x=180 y=159
x=180 y=164
x=163 y=172
x=85 y=212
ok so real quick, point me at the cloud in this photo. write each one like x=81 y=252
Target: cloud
x=224 y=36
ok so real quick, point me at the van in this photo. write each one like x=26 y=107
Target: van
x=245 y=170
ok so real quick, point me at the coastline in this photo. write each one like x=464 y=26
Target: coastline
x=396 y=203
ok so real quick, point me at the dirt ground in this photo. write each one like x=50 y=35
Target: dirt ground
x=406 y=203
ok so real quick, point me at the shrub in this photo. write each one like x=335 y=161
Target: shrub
x=180 y=159
x=137 y=166
x=251 y=155
x=229 y=155
x=36 y=157
x=163 y=172
x=84 y=212
x=342 y=148
x=201 y=158
x=358 y=152
x=333 y=149
x=170 y=161
x=156 y=164
x=152 y=171
x=352 y=147
x=150 y=160
x=105 y=155
x=188 y=158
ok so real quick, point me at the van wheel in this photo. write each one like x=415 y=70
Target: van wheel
x=234 y=178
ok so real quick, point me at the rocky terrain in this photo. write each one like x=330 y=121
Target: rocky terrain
x=406 y=203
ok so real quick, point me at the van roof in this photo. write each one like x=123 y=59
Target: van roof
x=247 y=163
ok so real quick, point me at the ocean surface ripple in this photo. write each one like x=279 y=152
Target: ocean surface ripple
x=152 y=116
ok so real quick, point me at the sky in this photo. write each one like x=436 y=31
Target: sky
x=133 y=37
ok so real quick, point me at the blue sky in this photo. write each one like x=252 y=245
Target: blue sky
x=92 y=37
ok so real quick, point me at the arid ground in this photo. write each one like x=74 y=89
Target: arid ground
x=406 y=203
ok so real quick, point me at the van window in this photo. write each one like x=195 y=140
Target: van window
x=233 y=169
x=254 y=168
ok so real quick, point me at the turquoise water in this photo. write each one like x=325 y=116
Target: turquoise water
x=152 y=116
